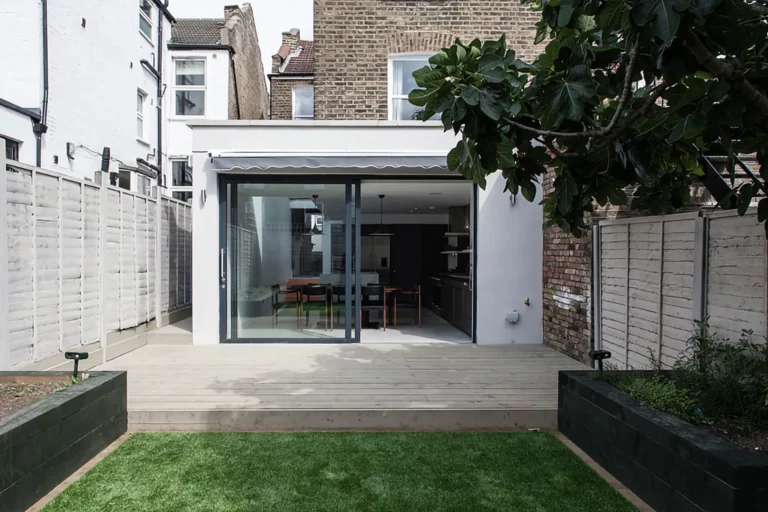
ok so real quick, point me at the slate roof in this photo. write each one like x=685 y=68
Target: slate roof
x=197 y=31
x=304 y=62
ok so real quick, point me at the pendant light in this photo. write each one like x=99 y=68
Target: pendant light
x=381 y=231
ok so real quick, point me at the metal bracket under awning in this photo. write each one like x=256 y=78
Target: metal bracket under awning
x=228 y=162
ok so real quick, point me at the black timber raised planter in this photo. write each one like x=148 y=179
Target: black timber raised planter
x=44 y=443
x=669 y=463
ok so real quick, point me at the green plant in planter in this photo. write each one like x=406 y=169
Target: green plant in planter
x=663 y=395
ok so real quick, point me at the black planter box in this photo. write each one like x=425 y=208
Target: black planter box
x=44 y=443
x=669 y=463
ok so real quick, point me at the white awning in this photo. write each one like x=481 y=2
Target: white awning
x=262 y=162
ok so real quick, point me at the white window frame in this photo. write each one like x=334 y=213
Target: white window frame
x=294 y=103
x=190 y=88
x=140 y=115
x=391 y=76
x=148 y=19
x=179 y=188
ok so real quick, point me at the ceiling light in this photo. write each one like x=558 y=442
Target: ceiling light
x=381 y=231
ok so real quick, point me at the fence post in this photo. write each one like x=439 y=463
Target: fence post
x=626 y=305
x=158 y=255
x=700 y=268
x=5 y=341
x=61 y=264
x=103 y=180
x=660 y=312
x=597 y=311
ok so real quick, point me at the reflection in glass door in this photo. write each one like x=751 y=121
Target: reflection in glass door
x=288 y=255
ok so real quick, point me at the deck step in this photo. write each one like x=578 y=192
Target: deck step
x=222 y=420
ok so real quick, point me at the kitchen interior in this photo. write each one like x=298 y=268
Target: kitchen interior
x=421 y=238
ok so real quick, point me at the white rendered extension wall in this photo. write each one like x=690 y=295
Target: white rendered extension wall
x=179 y=135
x=510 y=239
x=94 y=75
x=18 y=127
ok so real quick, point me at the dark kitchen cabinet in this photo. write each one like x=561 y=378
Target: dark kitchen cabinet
x=457 y=303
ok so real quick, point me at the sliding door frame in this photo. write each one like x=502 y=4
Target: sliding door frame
x=226 y=207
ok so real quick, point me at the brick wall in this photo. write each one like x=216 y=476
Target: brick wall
x=282 y=97
x=353 y=40
x=250 y=98
x=567 y=290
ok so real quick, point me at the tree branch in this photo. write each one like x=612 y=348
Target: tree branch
x=601 y=132
x=741 y=86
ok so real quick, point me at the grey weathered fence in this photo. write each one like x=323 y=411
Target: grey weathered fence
x=656 y=275
x=83 y=259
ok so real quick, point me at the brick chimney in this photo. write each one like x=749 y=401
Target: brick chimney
x=229 y=10
x=291 y=38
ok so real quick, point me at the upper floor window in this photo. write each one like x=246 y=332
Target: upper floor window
x=181 y=173
x=401 y=83
x=190 y=87
x=303 y=102
x=145 y=18
x=141 y=98
x=11 y=149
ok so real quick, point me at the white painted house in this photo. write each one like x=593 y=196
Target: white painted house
x=302 y=226
x=81 y=77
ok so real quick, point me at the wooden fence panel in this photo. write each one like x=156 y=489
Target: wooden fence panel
x=62 y=277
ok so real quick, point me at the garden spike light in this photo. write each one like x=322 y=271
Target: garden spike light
x=599 y=356
x=76 y=356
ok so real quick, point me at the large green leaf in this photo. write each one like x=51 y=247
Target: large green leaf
x=570 y=96
x=688 y=128
x=470 y=94
x=421 y=97
x=440 y=59
x=566 y=12
x=609 y=17
x=426 y=75
x=490 y=105
x=664 y=15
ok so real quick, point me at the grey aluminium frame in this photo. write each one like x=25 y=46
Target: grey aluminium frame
x=225 y=180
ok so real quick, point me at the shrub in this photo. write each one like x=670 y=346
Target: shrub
x=663 y=395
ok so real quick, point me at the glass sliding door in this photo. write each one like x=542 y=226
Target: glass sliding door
x=288 y=261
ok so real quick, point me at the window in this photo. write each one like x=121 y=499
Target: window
x=143 y=185
x=182 y=196
x=141 y=96
x=11 y=149
x=145 y=18
x=401 y=83
x=304 y=102
x=181 y=173
x=190 y=87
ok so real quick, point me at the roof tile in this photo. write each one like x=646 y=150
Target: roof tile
x=197 y=31
x=304 y=62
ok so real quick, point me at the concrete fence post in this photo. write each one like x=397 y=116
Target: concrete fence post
x=103 y=179
x=158 y=256
x=700 y=268
x=5 y=341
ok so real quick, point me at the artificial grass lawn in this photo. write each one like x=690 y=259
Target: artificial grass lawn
x=341 y=472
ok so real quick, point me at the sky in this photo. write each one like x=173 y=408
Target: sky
x=273 y=17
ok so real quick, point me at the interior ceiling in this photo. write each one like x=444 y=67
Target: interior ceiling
x=401 y=197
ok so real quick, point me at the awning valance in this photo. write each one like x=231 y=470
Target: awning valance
x=228 y=162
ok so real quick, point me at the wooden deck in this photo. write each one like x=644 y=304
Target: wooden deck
x=342 y=387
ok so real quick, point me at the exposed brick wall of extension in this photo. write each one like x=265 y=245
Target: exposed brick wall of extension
x=282 y=97
x=353 y=40
x=567 y=290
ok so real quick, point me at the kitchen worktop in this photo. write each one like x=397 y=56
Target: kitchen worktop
x=462 y=277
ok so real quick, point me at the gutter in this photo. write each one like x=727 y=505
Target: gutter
x=41 y=126
x=234 y=82
x=34 y=116
x=291 y=76
x=163 y=6
x=199 y=46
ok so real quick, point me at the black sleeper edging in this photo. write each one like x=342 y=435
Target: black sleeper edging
x=44 y=443
x=669 y=463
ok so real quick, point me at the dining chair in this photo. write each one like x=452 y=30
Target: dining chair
x=372 y=299
x=283 y=298
x=314 y=298
x=338 y=304
x=408 y=298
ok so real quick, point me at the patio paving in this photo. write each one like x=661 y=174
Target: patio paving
x=341 y=387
